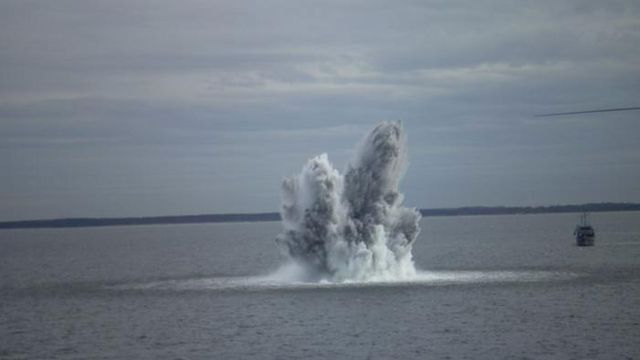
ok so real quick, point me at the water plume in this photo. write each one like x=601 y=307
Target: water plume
x=352 y=227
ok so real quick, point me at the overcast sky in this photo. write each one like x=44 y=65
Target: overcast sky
x=136 y=108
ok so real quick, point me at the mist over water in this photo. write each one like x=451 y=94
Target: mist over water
x=351 y=227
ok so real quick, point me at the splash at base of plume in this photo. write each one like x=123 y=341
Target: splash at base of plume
x=292 y=276
x=352 y=226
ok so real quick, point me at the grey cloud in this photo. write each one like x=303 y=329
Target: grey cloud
x=183 y=90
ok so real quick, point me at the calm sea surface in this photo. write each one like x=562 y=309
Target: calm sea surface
x=491 y=287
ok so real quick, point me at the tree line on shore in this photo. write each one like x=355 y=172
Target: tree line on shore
x=273 y=216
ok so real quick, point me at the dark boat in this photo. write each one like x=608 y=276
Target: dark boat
x=584 y=233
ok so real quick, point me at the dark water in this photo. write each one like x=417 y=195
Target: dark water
x=495 y=287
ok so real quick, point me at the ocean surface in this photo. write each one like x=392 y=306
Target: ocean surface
x=489 y=287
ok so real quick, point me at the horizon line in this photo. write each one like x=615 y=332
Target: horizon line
x=274 y=216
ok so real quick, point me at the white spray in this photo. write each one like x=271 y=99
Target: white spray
x=352 y=227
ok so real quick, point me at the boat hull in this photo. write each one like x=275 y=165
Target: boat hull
x=585 y=236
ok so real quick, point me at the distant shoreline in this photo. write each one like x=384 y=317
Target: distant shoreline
x=261 y=217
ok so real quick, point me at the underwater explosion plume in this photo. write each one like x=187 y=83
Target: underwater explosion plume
x=352 y=227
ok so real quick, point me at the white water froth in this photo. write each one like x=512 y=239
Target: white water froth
x=287 y=277
x=351 y=227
